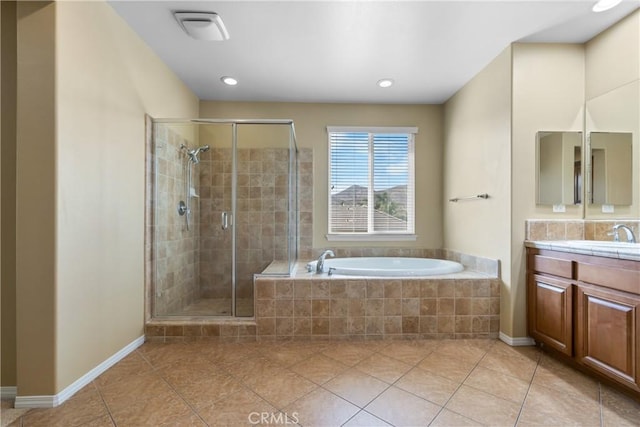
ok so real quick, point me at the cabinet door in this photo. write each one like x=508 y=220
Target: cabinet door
x=550 y=312
x=608 y=323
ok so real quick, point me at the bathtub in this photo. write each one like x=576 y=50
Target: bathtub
x=387 y=266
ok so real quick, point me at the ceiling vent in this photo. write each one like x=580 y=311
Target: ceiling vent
x=202 y=25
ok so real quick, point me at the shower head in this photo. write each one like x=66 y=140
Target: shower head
x=203 y=148
x=193 y=154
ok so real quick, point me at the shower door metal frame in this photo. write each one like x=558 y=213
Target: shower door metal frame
x=234 y=205
x=234 y=145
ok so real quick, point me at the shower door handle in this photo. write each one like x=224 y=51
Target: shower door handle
x=226 y=220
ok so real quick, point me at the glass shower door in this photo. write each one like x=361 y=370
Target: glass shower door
x=223 y=209
x=216 y=220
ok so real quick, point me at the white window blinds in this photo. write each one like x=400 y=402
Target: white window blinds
x=371 y=178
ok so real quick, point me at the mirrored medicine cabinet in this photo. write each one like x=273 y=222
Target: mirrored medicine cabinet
x=610 y=168
x=559 y=168
x=598 y=168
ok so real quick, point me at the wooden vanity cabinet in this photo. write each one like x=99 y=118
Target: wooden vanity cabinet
x=608 y=323
x=587 y=308
x=550 y=301
x=551 y=312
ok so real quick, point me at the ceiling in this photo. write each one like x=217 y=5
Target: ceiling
x=336 y=51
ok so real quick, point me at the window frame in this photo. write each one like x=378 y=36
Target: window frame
x=371 y=234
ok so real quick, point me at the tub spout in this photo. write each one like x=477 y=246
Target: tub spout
x=320 y=264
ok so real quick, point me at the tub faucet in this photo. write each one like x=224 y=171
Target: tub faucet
x=320 y=264
x=630 y=237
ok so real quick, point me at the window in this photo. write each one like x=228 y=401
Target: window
x=371 y=179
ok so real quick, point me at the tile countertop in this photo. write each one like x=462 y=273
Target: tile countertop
x=609 y=249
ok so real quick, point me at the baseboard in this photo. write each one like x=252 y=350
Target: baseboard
x=55 y=400
x=517 y=341
x=8 y=392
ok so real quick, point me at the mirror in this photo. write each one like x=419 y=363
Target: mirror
x=613 y=191
x=610 y=168
x=559 y=168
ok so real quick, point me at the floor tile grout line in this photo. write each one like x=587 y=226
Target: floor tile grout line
x=509 y=375
x=286 y=368
x=364 y=410
x=411 y=368
x=104 y=402
x=186 y=402
x=366 y=404
x=600 y=402
x=175 y=390
x=460 y=386
x=361 y=408
x=526 y=395
x=444 y=406
x=501 y=373
x=420 y=397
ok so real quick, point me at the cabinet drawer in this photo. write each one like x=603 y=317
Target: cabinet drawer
x=556 y=266
x=611 y=277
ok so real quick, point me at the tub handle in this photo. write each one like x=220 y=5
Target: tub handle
x=331 y=270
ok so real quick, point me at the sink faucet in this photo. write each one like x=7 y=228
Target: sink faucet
x=630 y=237
x=320 y=264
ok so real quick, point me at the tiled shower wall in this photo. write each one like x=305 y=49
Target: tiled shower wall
x=305 y=203
x=175 y=250
x=261 y=218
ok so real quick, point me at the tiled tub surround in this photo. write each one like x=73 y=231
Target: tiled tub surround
x=174 y=252
x=310 y=306
x=539 y=229
x=458 y=305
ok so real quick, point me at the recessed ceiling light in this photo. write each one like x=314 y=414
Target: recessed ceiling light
x=603 y=5
x=229 y=80
x=385 y=82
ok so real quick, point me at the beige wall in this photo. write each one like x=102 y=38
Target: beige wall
x=613 y=57
x=548 y=94
x=81 y=225
x=490 y=134
x=477 y=157
x=311 y=121
x=613 y=97
x=8 y=230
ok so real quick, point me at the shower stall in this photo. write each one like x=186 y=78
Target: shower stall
x=223 y=207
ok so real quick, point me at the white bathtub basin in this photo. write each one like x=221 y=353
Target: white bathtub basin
x=387 y=266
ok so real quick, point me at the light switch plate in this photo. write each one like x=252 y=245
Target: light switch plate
x=607 y=209
x=559 y=208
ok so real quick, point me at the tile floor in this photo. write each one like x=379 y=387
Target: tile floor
x=340 y=383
